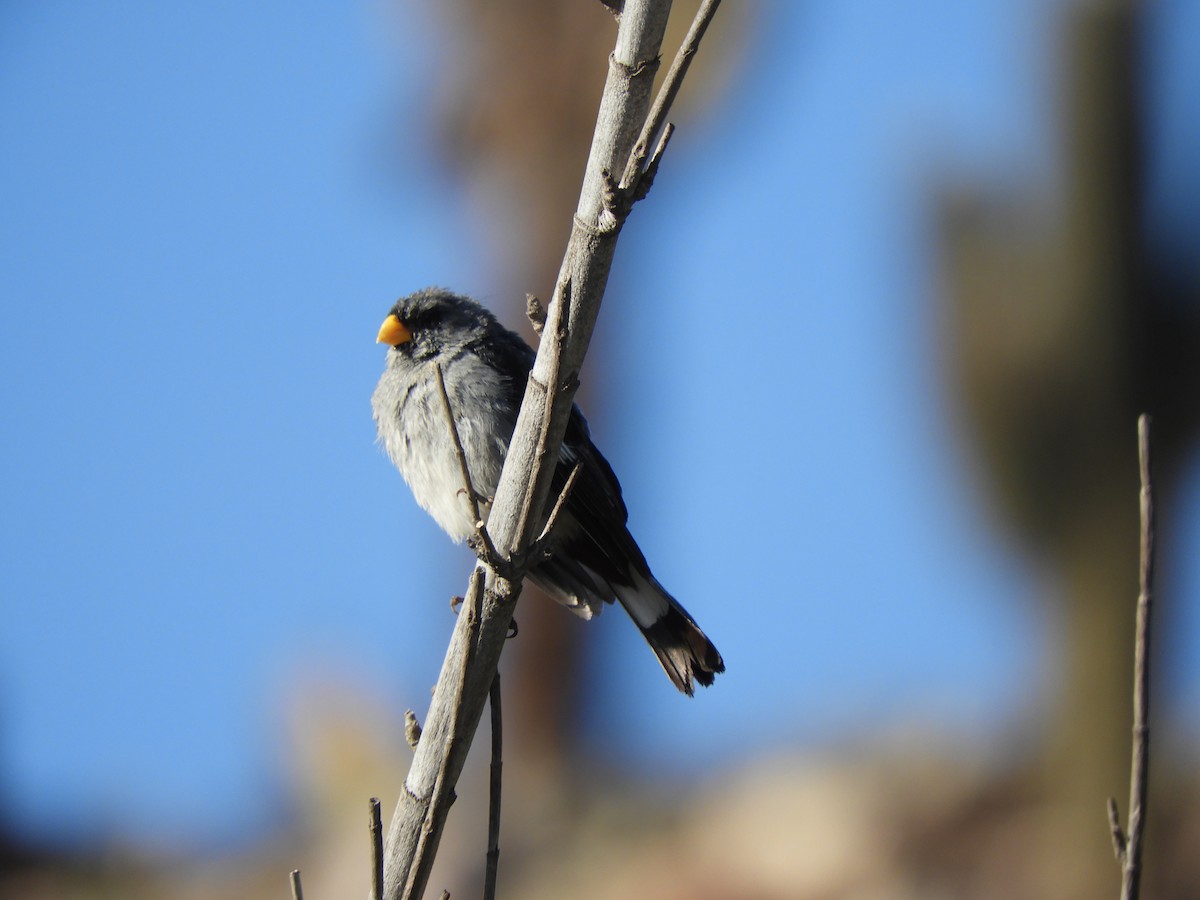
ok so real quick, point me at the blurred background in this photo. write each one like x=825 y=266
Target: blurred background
x=868 y=367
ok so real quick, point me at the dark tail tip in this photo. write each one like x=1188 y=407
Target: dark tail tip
x=683 y=650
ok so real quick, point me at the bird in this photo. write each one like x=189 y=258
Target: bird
x=438 y=338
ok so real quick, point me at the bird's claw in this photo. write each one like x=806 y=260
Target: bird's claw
x=481 y=544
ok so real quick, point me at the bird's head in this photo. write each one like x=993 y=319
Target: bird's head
x=431 y=320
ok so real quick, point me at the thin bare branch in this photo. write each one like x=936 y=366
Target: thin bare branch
x=563 y=496
x=1128 y=844
x=551 y=386
x=297 y=888
x=1131 y=886
x=376 y=826
x=486 y=549
x=642 y=188
x=1114 y=827
x=493 y=851
x=442 y=795
x=666 y=94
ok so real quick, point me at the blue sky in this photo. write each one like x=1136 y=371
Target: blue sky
x=204 y=218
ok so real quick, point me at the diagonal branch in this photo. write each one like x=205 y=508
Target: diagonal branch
x=486 y=549
x=657 y=118
x=517 y=513
x=563 y=496
x=436 y=805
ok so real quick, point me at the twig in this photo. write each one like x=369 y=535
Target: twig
x=1128 y=846
x=487 y=549
x=297 y=889
x=524 y=487
x=1114 y=827
x=642 y=188
x=666 y=94
x=376 y=850
x=442 y=795
x=551 y=386
x=493 y=851
x=563 y=496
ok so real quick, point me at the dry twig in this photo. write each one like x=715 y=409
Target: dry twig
x=1128 y=845
x=657 y=118
x=376 y=826
x=486 y=548
x=493 y=851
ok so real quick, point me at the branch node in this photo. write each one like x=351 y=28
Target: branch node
x=412 y=729
x=615 y=203
x=612 y=196
x=667 y=92
x=481 y=545
x=1118 y=836
x=499 y=594
x=536 y=312
x=646 y=179
x=587 y=227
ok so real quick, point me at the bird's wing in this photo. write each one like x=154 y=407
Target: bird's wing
x=601 y=540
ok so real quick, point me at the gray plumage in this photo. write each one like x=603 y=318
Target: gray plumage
x=485 y=367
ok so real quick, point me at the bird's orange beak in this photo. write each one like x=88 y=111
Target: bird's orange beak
x=393 y=332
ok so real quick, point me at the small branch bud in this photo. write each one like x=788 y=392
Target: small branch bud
x=412 y=729
x=536 y=311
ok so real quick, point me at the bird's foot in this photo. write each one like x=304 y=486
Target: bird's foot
x=481 y=543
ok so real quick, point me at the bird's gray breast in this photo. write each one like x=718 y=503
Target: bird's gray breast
x=411 y=420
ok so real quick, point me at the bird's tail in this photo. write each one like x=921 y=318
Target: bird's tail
x=683 y=650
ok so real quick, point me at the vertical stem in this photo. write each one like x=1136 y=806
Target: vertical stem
x=1132 y=870
x=493 y=851
x=376 y=850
